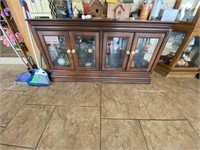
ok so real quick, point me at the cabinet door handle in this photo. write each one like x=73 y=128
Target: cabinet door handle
x=133 y=52
x=128 y=52
x=68 y=51
x=73 y=51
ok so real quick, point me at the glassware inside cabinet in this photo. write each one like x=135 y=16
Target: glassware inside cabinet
x=191 y=55
x=171 y=47
x=115 y=51
x=85 y=48
x=57 y=50
x=144 y=51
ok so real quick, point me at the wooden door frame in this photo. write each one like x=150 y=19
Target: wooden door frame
x=75 y=57
x=160 y=36
x=128 y=35
x=41 y=35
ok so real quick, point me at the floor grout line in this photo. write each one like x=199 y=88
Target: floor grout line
x=192 y=126
x=100 y=116
x=143 y=134
x=17 y=146
x=58 y=105
x=45 y=127
x=144 y=119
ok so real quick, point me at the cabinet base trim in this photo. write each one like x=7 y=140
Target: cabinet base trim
x=143 y=78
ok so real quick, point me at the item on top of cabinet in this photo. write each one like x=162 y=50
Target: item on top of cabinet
x=111 y=1
x=96 y=9
x=145 y=9
x=86 y=8
x=168 y=14
x=77 y=6
x=119 y=11
x=134 y=15
x=69 y=9
x=86 y=17
x=128 y=1
x=155 y=10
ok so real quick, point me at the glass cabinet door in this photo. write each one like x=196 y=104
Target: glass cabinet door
x=57 y=49
x=191 y=55
x=116 y=49
x=144 y=50
x=85 y=50
x=171 y=47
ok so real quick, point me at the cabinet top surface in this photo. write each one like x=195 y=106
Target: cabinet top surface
x=99 y=22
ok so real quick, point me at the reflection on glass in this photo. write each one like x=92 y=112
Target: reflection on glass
x=144 y=51
x=191 y=55
x=57 y=50
x=171 y=47
x=85 y=48
x=115 y=51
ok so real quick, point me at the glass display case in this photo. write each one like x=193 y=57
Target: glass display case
x=181 y=55
x=171 y=47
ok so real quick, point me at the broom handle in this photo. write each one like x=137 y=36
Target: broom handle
x=29 y=33
x=13 y=47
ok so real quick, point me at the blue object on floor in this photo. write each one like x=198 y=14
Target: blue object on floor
x=40 y=80
x=23 y=78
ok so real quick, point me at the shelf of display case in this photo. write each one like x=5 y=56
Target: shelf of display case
x=101 y=50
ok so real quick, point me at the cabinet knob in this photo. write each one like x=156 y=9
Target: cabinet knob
x=73 y=51
x=127 y=52
x=133 y=52
x=68 y=51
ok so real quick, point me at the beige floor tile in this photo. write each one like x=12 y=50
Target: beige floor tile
x=10 y=103
x=189 y=104
x=182 y=84
x=122 y=101
x=156 y=85
x=121 y=135
x=170 y=135
x=27 y=90
x=72 y=128
x=68 y=93
x=4 y=147
x=4 y=86
x=27 y=126
x=1 y=129
x=159 y=105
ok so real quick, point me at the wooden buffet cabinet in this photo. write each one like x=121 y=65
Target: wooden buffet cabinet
x=100 y=50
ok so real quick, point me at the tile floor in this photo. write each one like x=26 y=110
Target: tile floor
x=163 y=115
